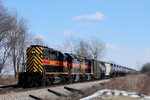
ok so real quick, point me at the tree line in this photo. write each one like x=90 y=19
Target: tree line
x=145 y=69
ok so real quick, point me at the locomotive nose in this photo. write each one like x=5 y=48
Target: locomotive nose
x=34 y=59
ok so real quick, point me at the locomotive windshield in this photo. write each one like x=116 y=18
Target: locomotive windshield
x=35 y=54
x=45 y=54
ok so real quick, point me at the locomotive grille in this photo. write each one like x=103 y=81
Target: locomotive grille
x=34 y=59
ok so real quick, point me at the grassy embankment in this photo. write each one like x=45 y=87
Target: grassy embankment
x=132 y=83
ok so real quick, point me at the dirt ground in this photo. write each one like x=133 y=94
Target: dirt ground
x=8 y=80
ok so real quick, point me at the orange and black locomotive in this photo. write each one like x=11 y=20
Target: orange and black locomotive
x=45 y=66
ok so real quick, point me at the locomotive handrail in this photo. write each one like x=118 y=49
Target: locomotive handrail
x=18 y=70
x=80 y=59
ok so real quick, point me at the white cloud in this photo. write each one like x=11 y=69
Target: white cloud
x=96 y=16
x=84 y=24
x=113 y=46
x=67 y=34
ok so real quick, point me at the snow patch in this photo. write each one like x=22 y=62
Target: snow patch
x=116 y=93
x=109 y=93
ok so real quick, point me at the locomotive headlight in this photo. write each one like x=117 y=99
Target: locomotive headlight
x=33 y=51
x=34 y=71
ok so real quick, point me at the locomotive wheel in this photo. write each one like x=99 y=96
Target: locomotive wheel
x=48 y=81
x=71 y=79
x=81 y=78
x=51 y=80
x=86 y=78
x=63 y=80
x=39 y=83
x=92 y=78
x=32 y=84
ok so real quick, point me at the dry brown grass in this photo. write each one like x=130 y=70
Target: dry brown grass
x=133 y=83
x=7 y=80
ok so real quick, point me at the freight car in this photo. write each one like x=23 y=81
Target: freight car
x=46 y=66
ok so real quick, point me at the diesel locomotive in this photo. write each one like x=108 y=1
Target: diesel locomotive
x=46 y=66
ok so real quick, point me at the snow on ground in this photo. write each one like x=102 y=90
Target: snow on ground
x=116 y=93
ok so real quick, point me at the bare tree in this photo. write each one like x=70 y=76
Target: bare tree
x=18 y=37
x=38 y=41
x=76 y=46
x=5 y=28
x=68 y=45
x=13 y=39
x=93 y=49
x=82 y=48
x=146 y=68
x=96 y=48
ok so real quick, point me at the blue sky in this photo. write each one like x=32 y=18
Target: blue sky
x=123 y=25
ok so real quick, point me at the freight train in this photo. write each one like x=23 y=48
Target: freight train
x=46 y=66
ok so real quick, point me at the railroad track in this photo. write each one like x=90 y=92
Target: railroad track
x=52 y=92
x=57 y=93
x=15 y=88
x=49 y=90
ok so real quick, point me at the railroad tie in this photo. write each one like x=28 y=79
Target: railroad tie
x=102 y=84
x=73 y=90
x=56 y=93
x=93 y=87
x=36 y=98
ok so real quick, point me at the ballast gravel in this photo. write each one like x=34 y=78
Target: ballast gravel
x=43 y=93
